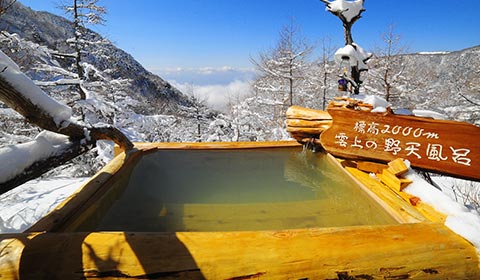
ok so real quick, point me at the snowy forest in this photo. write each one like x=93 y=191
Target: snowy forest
x=104 y=85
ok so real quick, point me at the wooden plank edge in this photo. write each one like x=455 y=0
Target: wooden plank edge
x=144 y=146
x=393 y=203
x=406 y=204
x=77 y=200
x=425 y=251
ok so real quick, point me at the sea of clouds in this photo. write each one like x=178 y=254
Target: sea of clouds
x=217 y=86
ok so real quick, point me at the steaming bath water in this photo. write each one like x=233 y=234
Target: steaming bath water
x=235 y=190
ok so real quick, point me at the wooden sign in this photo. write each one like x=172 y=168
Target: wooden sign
x=440 y=146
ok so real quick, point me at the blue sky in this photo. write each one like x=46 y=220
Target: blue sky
x=214 y=33
x=208 y=44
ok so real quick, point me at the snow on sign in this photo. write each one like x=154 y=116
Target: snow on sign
x=440 y=146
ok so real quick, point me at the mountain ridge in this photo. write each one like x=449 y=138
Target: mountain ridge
x=50 y=30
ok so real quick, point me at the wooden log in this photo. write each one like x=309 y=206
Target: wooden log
x=423 y=251
x=371 y=167
x=397 y=167
x=311 y=131
x=388 y=178
x=390 y=199
x=302 y=113
x=308 y=123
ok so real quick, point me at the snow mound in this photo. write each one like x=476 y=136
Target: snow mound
x=349 y=9
x=25 y=205
x=14 y=159
x=460 y=219
x=429 y=114
x=354 y=55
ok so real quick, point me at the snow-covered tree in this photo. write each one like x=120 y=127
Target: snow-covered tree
x=83 y=13
x=255 y=119
x=283 y=68
x=352 y=54
x=324 y=71
x=388 y=62
x=49 y=149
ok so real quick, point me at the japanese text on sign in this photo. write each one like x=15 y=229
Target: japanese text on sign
x=393 y=143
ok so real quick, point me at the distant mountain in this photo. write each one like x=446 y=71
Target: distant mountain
x=51 y=31
x=448 y=82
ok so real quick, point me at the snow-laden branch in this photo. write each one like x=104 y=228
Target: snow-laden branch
x=23 y=162
x=59 y=82
x=21 y=94
x=347 y=11
x=11 y=74
x=354 y=55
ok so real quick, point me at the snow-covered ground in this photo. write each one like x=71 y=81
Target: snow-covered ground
x=28 y=203
x=460 y=219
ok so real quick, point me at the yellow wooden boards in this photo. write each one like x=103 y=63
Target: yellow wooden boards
x=409 y=251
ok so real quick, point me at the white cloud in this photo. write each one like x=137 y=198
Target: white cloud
x=206 y=75
x=217 y=96
x=216 y=85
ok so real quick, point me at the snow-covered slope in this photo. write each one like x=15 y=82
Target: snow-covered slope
x=447 y=82
x=52 y=32
x=119 y=91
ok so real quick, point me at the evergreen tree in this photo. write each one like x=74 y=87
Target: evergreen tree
x=83 y=14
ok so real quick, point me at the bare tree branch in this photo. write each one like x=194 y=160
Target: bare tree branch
x=474 y=103
x=5 y=5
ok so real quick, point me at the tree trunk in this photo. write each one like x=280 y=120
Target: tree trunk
x=387 y=85
x=347 y=26
x=15 y=100
x=78 y=57
x=290 y=93
x=325 y=76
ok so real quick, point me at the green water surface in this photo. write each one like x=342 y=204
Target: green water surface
x=231 y=190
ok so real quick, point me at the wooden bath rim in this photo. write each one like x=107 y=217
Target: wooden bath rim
x=419 y=247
